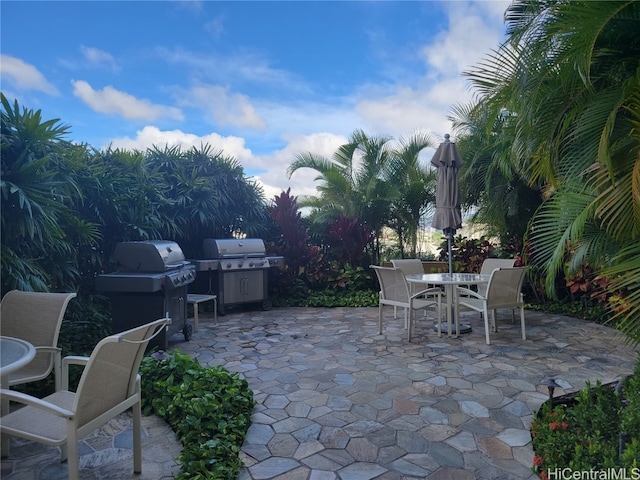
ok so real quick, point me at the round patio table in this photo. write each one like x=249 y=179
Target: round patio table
x=14 y=354
x=450 y=281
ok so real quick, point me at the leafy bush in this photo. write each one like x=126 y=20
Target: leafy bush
x=598 y=430
x=208 y=408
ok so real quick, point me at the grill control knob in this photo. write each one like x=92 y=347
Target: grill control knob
x=228 y=265
x=250 y=264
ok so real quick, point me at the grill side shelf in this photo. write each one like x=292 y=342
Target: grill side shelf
x=110 y=282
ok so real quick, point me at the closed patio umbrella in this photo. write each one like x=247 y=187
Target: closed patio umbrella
x=448 y=216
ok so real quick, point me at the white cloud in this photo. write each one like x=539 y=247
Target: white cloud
x=244 y=66
x=24 y=76
x=472 y=32
x=98 y=57
x=151 y=136
x=405 y=110
x=225 y=107
x=275 y=180
x=112 y=101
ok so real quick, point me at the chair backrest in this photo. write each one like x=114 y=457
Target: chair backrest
x=394 y=289
x=35 y=317
x=410 y=266
x=109 y=377
x=504 y=287
x=490 y=264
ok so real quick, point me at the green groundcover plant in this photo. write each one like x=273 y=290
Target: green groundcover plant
x=208 y=408
x=598 y=430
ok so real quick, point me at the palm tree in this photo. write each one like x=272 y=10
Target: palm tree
x=416 y=189
x=373 y=180
x=351 y=183
x=489 y=178
x=568 y=74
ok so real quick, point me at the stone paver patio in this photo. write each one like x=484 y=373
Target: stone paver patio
x=335 y=400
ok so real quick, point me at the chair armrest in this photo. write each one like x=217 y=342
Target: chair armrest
x=57 y=356
x=467 y=292
x=24 y=399
x=429 y=291
x=48 y=349
x=71 y=360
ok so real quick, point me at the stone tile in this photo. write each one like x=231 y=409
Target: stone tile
x=494 y=447
x=308 y=448
x=448 y=473
x=515 y=437
x=361 y=471
x=362 y=450
x=272 y=467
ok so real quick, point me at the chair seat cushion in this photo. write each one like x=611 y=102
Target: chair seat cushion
x=39 y=423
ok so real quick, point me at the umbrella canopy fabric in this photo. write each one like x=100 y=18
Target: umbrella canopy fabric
x=447 y=160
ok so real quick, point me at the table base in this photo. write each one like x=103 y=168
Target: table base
x=464 y=328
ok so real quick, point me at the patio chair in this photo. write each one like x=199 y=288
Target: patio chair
x=503 y=291
x=489 y=265
x=394 y=291
x=35 y=317
x=409 y=266
x=109 y=385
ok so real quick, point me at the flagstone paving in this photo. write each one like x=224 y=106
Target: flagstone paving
x=335 y=400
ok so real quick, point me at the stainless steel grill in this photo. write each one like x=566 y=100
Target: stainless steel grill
x=236 y=270
x=150 y=282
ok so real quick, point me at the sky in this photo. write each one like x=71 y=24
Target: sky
x=260 y=81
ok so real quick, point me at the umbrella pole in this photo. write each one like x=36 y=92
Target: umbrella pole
x=450 y=250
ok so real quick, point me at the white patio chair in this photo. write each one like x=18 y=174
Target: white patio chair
x=409 y=266
x=35 y=317
x=489 y=265
x=503 y=291
x=394 y=291
x=109 y=385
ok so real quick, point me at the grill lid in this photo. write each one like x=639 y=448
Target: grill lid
x=149 y=256
x=233 y=247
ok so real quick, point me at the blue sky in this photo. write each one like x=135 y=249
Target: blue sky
x=260 y=80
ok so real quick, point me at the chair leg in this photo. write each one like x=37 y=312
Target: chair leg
x=195 y=317
x=410 y=324
x=73 y=462
x=137 y=437
x=524 y=333
x=486 y=326
x=380 y=319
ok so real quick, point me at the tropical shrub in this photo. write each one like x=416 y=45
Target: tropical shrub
x=208 y=408
x=39 y=223
x=468 y=253
x=597 y=430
